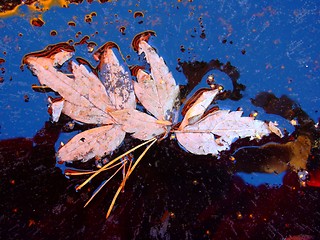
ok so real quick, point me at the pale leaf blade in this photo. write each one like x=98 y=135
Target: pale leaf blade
x=89 y=86
x=61 y=57
x=49 y=76
x=96 y=142
x=200 y=143
x=85 y=89
x=160 y=71
x=218 y=130
x=146 y=92
x=198 y=108
x=85 y=114
x=160 y=85
x=116 y=79
x=142 y=125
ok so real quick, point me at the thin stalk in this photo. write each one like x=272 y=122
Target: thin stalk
x=124 y=177
x=140 y=157
x=85 y=172
x=127 y=176
x=103 y=184
x=111 y=162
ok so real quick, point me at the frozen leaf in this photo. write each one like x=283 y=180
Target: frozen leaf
x=142 y=125
x=110 y=102
x=198 y=108
x=85 y=96
x=216 y=132
x=87 y=99
x=116 y=79
x=96 y=142
x=157 y=91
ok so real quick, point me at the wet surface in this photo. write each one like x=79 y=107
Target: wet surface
x=259 y=189
x=171 y=194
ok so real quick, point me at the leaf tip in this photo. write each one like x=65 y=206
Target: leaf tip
x=135 y=69
x=49 y=51
x=108 y=45
x=143 y=36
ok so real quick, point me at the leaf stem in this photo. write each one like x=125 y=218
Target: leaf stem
x=111 y=162
x=79 y=172
x=103 y=184
x=130 y=170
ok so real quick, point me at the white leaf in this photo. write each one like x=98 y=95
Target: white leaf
x=84 y=90
x=117 y=81
x=198 y=108
x=142 y=125
x=158 y=91
x=95 y=142
x=86 y=114
x=218 y=130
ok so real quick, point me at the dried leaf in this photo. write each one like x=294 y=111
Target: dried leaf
x=85 y=96
x=115 y=78
x=216 y=131
x=142 y=125
x=158 y=91
x=95 y=142
x=88 y=100
x=111 y=102
x=198 y=108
